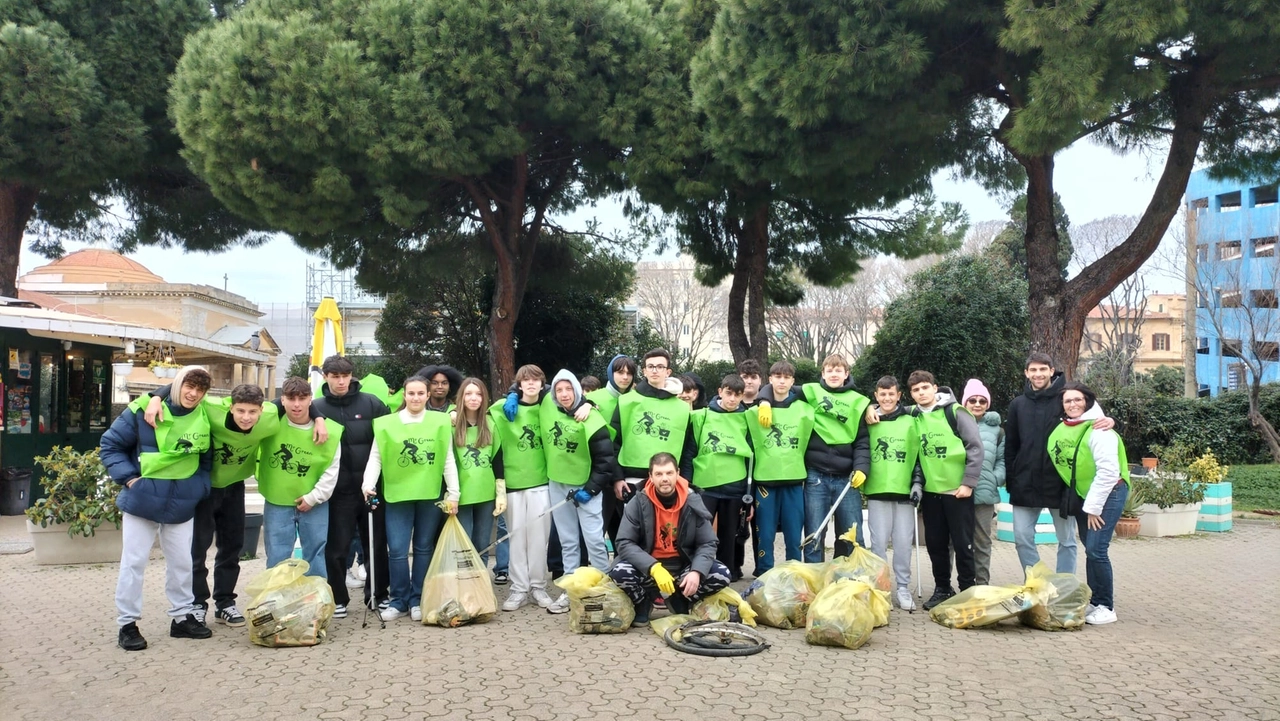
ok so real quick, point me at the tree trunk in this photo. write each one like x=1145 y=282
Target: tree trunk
x=746 y=292
x=1052 y=326
x=1260 y=422
x=17 y=202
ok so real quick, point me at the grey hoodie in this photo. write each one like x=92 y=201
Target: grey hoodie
x=565 y=375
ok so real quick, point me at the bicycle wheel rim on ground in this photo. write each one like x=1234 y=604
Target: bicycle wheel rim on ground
x=697 y=639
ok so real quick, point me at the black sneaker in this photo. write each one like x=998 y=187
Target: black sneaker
x=189 y=627
x=939 y=595
x=642 y=615
x=230 y=616
x=130 y=638
x=501 y=578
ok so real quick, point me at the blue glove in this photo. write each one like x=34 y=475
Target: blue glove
x=511 y=406
x=580 y=497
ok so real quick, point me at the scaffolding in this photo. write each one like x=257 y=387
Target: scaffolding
x=360 y=309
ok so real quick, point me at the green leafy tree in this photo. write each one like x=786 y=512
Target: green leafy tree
x=965 y=317
x=1024 y=79
x=86 y=148
x=366 y=128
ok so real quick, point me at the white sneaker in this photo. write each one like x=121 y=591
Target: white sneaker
x=415 y=613
x=390 y=613
x=905 y=600
x=1088 y=609
x=1101 y=616
x=515 y=601
x=353 y=580
x=362 y=574
x=561 y=605
x=340 y=611
x=541 y=598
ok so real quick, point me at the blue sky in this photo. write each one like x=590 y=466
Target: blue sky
x=1093 y=182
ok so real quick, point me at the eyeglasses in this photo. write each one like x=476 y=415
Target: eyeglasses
x=654 y=368
x=976 y=401
x=1072 y=401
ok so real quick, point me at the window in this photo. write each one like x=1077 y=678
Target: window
x=1093 y=342
x=1160 y=341
x=1263 y=298
x=1266 y=350
x=1229 y=299
x=1264 y=247
x=1202 y=253
x=1263 y=196
x=1229 y=250
x=1231 y=347
x=1235 y=377
x=1200 y=205
x=684 y=330
x=1202 y=346
x=1160 y=308
x=1229 y=202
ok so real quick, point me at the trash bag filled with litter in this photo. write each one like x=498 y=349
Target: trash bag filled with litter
x=781 y=596
x=458 y=589
x=1068 y=598
x=288 y=607
x=839 y=615
x=596 y=604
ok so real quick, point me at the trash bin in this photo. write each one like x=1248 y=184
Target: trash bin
x=15 y=491
x=252 y=531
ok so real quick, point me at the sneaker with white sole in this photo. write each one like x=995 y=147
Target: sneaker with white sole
x=1088 y=609
x=391 y=613
x=230 y=616
x=905 y=600
x=541 y=598
x=515 y=601
x=199 y=613
x=1101 y=616
x=340 y=611
x=561 y=605
x=353 y=580
x=415 y=613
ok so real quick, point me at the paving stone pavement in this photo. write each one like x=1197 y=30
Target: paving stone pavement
x=1198 y=638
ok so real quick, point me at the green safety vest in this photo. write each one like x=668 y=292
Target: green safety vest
x=836 y=415
x=476 y=480
x=235 y=455
x=780 y=448
x=290 y=464
x=649 y=426
x=564 y=443
x=413 y=455
x=1069 y=445
x=521 y=441
x=180 y=440
x=942 y=454
x=723 y=450
x=895 y=445
x=606 y=402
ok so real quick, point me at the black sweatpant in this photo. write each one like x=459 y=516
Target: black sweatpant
x=726 y=512
x=219 y=517
x=348 y=515
x=948 y=526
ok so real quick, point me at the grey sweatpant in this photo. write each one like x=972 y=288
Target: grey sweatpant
x=983 y=534
x=138 y=535
x=896 y=521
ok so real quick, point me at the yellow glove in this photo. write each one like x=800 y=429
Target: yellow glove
x=663 y=578
x=857 y=479
x=764 y=414
x=500 y=500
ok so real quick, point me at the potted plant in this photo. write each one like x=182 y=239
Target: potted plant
x=77 y=521
x=1172 y=496
x=157 y=367
x=122 y=369
x=1129 y=523
x=1215 y=511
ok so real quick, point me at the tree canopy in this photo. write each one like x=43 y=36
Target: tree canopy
x=367 y=128
x=86 y=147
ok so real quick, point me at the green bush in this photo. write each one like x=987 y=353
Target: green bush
x=80 y=495
x=1217 y=424
x=1254 y=487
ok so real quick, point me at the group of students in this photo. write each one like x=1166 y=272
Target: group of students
x=753 y=460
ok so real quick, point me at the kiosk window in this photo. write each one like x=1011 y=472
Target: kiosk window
x=49 y=372
x=17 y=402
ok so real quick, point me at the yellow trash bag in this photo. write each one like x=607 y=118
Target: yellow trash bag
x=719 y=606
x=660 y=625
x=877 y=601
x=457 y=589
x=781 y=596
x=1064 y=610
x=288 y=607
x=839 y=616
x=596 y=604
x=979 y=606
x=861 y=565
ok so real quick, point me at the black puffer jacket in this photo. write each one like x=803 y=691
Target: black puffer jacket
x=1029 y=474
x=355 y=412
x=841 y=459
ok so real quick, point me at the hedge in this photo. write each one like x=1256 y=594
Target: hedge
x=1217 y=423
x=1254 y=487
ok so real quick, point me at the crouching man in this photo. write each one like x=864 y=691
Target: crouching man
x=666 y=544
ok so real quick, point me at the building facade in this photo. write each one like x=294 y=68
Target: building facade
x=1155 y=331
x=1232 y=228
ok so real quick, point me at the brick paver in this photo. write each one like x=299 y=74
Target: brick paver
x=1199 y=638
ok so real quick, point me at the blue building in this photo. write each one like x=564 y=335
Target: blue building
x=1236 y=273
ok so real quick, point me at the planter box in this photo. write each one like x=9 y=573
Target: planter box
x=54 y=547
x=252 y=532
x=1215 y=512
x=1179 y=520
x=1045 y=533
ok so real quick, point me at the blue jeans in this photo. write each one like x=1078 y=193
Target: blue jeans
x=820 y=492
x=1024 y=537
x=1097 y=560
x=477 y=521
x=502 y=554
x=420 y=521
x=281 y=525
x=778 y=504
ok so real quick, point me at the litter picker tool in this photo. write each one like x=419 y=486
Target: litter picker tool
x=916 y=533
x=369 y=554
x=822 y=527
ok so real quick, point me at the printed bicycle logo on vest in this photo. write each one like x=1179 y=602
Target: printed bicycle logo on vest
x=191 y=442
x=835 y=407
x=472 y=457
x=558 y=439
x=1064 y=454
x=713 y=444
x=891 y=449
x=933 y=445
x=284 y=455
x=783 y=435
x=653 y=424
x=229 y=455
x=412 y=452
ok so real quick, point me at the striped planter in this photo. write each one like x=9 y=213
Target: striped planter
x=1215 y=512
x=1004 y=523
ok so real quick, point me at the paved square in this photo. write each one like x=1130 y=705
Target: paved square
x=1198 y=638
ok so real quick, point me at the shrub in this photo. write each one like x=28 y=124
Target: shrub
x=1255 y=487
x=80 y=495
